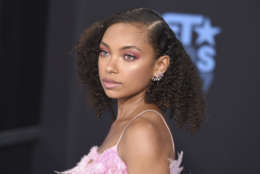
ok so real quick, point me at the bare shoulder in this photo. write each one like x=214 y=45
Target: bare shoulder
x=145 y=131
x=142 y=146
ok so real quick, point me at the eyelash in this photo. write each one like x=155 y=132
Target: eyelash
x=125 y=55
x=102 y=51
x=128 y=55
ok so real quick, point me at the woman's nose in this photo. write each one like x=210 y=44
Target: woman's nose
x=111 y=66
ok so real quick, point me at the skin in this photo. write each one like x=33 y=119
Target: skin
x=127 y=57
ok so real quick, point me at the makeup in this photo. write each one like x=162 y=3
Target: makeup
x=109 y=84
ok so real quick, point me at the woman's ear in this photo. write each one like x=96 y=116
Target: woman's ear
x=161 y=65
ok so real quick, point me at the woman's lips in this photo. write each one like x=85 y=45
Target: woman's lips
x=110 y=83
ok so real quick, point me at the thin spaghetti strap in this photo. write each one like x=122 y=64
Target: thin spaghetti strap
x=138 y=116
x=128 y=125
x=166 y=126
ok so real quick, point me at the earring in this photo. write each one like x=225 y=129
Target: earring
x=157 y=78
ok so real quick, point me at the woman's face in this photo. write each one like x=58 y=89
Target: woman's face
x=126 y=57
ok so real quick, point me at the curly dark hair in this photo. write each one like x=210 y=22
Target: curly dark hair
x=180 y=90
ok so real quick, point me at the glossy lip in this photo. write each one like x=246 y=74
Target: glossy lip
x=108 y=83
x=110 y=80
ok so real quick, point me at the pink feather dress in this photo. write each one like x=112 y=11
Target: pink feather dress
x=109 y=162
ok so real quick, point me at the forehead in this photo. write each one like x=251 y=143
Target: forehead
x=126 y=34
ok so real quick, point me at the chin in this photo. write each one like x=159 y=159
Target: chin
x=112 y=94
x=116 y=94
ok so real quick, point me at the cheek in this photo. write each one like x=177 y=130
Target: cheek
x=100 y=67
x=100 y=71
x=137 y=75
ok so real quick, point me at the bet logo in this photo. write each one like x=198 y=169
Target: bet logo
x=198 y=37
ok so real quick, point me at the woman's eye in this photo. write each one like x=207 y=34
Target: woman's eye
x=103 y=53
x=129 y=57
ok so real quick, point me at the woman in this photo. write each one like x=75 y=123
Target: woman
x=134 y=58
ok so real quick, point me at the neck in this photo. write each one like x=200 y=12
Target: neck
x=129 y=107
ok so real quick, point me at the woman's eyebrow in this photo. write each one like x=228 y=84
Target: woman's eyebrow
x=130 y=46
x=123 y=48
x=103 y=43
